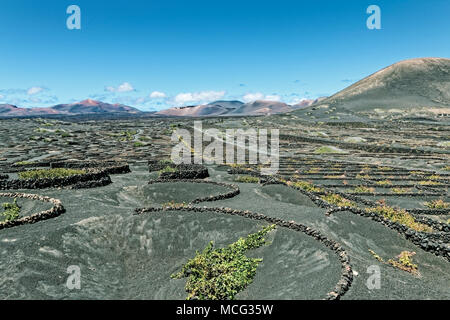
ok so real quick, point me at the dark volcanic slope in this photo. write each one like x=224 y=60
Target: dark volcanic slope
x=262 y=107
x=229 y=108
x=423 y=82
x=8 y=108
x=215 y=108
x=79 y=108
x=91 y=106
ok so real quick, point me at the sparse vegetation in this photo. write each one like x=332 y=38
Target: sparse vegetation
x=220 y=274
x=384 y=183
x=165 y=162
x=11 y=211
x=403 y=262
x=305 y=185
x=428 y=183
x=127 y=135
x=24 y=163
x=49 y=173
x=338 y=200
x=167 y=169
x=437 y=204
x=173 y=204
x=363 y=189
x=342 y=176
x=401 y=190
x=328 y=149
x=399 y=216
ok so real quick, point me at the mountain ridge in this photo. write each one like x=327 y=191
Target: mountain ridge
x=412 y=83
x=87 y=106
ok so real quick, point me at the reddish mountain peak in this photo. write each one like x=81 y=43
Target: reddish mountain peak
x=89 y=102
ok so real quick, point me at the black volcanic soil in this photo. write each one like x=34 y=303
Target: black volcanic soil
x=127 y=256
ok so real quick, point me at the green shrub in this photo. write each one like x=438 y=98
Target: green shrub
x=437 y=204
x=220 y=274
x=404 y=261
x=138 y=144
x=24 y=163
x=313 y=170
x=165 y=162
x=304 y=185
x=399 y=216
x=127 y=135
x=401 y=190
x=428 y=183
x=49 y=173
x=341 y=176
x=167 y=169
x=363 y=189
x=338 y=200
x=329 y=149
x=384 y=183
x=12 y=211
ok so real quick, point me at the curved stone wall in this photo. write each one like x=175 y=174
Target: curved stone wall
x=55 y=211
x=346 y=270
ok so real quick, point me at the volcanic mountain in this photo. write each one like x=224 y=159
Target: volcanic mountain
x=262 y=107
x=92 y=106
x=305 y=103
x=228 y=108
x=10 y=109
x=83 y=107
x=406 y=85
x=215 y=108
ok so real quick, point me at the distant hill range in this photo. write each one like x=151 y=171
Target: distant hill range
x=414 y=85
x=83 y=107
x=234 y=108
x=411 y=88
x=216 y=108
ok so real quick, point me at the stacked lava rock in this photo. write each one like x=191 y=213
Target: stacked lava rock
x=185 y=171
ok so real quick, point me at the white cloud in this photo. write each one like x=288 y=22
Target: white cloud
x=157 y=95
x=296 y=100
x=34 y=90
x=250 y=97
x=124 y=87
x=273 y=97
x=200 y=97
x=1 y=96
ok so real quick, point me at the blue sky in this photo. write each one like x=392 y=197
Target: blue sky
x=157 y=54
